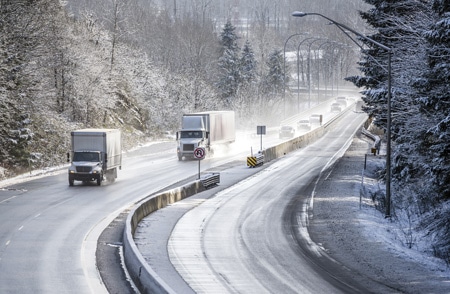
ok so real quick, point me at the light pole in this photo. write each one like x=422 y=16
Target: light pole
x=284 y=68
x=318 y=71
x=298 y=72
x=309 y=68
x=343 y=27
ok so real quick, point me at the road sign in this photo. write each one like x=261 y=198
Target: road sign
x=260 y=130
x=199 y=153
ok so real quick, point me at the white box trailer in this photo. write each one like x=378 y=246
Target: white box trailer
x=95 y=154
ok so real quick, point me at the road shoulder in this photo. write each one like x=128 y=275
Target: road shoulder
x=344 y=226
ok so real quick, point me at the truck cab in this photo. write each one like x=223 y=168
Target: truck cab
x=86 y=166
x=189 y=140
x=204 y=129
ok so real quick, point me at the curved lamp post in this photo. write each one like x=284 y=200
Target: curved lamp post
x=334 y=46
x=284 y=68
x=309 y=67
x=298 y=71
x=343 y=27
x=318 y=71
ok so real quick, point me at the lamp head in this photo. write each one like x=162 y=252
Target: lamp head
x=299 y=14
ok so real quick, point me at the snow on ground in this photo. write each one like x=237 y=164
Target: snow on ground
x=346 y=223
x=32 y=175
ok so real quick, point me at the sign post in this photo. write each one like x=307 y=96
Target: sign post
x=199 y=154
x=261 y=130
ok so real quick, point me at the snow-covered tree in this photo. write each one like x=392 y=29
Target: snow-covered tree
x=17 y=41
x=229 y=77
x=248 y=64
x=418 y=32
x=229 y=68
x=435 y=101
x=399 y=26
x=275 y=81
x=229 y=38
x=434 y=140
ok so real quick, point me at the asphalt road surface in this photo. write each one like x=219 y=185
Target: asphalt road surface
x=251 y=237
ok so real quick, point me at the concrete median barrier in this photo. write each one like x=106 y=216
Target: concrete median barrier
x=143 y=276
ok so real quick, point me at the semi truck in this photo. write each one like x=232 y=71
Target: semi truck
x=205 y=129
x=95 y=154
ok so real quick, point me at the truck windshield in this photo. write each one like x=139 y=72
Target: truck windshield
x=191 y=134
x=86 y=156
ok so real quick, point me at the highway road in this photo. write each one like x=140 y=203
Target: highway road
x=49 y=230
x=252 y=237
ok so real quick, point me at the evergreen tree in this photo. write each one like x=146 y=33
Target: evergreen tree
x=18 y=40
x=248 y=64
x=228 y=38
x=274 y=81
x=398 y=30
x=435 y=101
x=229 y=76
x=435 y=141
x=399 y=25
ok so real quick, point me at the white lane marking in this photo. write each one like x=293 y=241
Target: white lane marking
x=12 y=197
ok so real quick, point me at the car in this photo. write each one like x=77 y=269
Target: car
x=303 y=125
x=286 y=132
x=315 y=119
x=342 y=100
x=336 y=107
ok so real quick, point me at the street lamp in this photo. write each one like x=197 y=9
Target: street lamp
x=318 y=71
x=284 y=68
x=298 y=71
x=343 y=27
x=309 y=67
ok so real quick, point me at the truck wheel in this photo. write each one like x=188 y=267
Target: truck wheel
x=180 y=158
x=70 y=182
x=99 y=180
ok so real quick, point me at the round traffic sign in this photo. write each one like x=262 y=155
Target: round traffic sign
x=199 y=152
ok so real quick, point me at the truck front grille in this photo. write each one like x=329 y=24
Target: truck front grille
x=188 y=147
x=84 y=169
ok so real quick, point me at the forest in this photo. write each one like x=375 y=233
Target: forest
x=139 y=65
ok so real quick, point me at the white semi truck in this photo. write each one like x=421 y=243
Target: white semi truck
x=205 y=129
x=95 y=154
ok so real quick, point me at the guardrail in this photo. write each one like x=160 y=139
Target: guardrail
x=210 y=180
x=376 y=141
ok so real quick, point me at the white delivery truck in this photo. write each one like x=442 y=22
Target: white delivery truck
x=205 y=129
x=95 y=154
